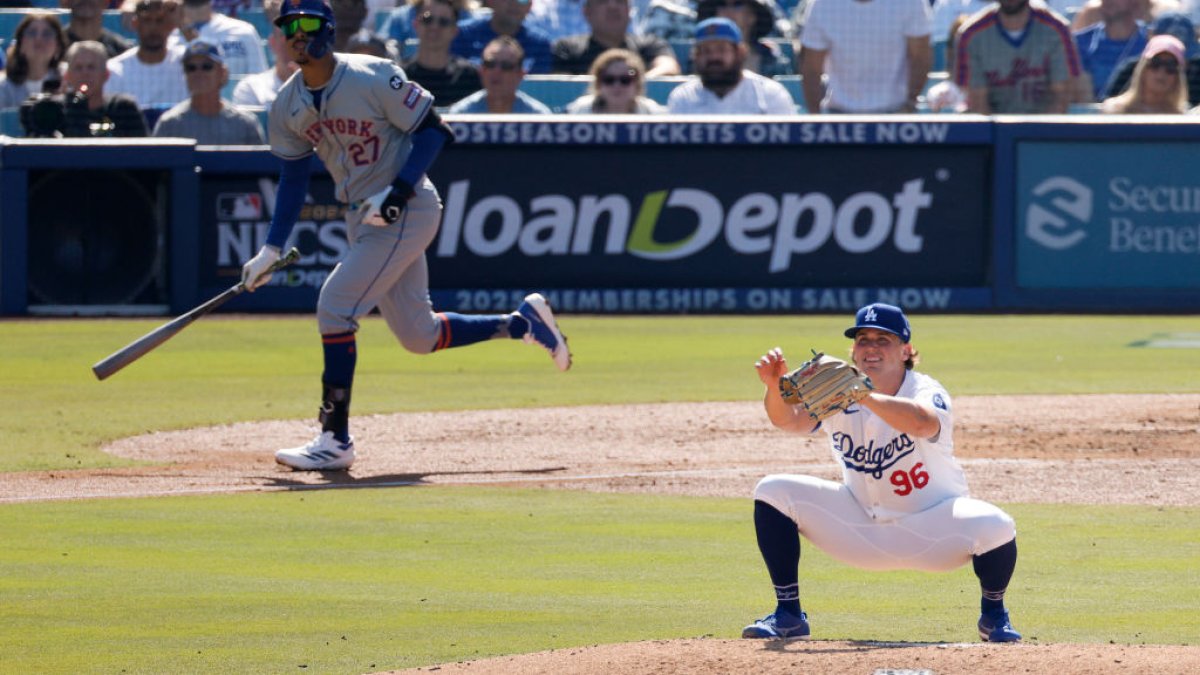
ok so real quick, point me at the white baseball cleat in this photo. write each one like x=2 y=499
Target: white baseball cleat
x=323 y=453
x=543 y=329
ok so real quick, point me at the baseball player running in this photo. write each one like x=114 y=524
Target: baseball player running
x=377 y=134
x=902 y=502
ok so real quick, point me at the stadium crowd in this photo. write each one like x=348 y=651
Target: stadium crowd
x=207 y=69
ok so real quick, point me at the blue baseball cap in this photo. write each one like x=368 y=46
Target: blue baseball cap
x=718 y=28
x=884 y=317
x=207 y=50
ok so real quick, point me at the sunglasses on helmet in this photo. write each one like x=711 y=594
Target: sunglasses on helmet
x=306 y=24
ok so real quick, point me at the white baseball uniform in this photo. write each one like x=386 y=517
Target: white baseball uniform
x=902 y=503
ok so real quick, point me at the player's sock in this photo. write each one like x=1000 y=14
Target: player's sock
x=341 y=356
x=995 y=569
x=518 y=326
x=458 y=330
x=779 y=542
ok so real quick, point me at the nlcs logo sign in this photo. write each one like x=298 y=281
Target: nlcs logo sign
x=1059 y=224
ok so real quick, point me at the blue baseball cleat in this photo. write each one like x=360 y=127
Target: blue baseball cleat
x=543 y=329
x=780 y=625
x=995 y=627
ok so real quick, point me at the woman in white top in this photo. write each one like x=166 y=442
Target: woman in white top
x=38 y=45
x=617 y=87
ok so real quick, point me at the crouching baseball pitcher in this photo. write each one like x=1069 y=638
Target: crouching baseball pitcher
x=902 y=502
x=377 y=134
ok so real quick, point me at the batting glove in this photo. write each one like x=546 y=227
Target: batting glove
x=257 y=271
x=386 y=206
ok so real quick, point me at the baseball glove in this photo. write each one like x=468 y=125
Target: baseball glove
x=825 y=385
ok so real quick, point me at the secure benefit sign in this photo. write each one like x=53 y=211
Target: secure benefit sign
x=1120 y=215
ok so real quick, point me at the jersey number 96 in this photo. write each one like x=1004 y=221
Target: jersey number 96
x=906 y=482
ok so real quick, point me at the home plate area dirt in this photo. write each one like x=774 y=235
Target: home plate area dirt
x=1101 y=449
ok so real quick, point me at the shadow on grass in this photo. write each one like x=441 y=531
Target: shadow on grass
x=345 y=479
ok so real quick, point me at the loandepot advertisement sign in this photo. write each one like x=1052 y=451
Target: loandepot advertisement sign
x=695 y=217
x=1121 y=215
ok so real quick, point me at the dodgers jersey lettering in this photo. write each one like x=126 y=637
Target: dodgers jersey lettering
x=362 y=132
x=889 y=473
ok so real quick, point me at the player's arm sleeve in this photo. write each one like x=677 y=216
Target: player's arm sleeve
x=285 y=143
x=919 y=21
x=428 y=141
x=404 y=103
x=936 y=398
x=289 y=199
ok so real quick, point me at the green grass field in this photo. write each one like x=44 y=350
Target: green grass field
x=359 y=580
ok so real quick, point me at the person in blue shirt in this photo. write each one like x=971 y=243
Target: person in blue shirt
x=508 y=19
x=501 y=73
x=1105 y=45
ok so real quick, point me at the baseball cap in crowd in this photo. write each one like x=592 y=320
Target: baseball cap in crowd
x=204 y=49
x=1165 y=44
x=885 y=317
x=1181 y=27
x=718 y=28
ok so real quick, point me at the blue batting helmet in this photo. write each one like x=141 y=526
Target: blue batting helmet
x=322 y=41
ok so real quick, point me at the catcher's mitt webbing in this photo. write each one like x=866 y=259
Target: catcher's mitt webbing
x=825 y=385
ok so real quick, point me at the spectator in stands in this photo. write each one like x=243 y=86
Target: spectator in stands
x=239 y=41
x=1105 y=45
x=32 y=64
x=508 y=18
x=150 y=73
x=946 y=12
x=232 y=7
x=995 y=71
x=756 y=21
x=83 y=110
x=617 y=88
x=559 y=18
x=722 y=85
x=448 y=77
x=349 y=17
x=371 y=44
x=667 y=19
x=87 y=23
x=204 y=116
x=1145 y=11
x=259 y=90
x=875 y=53
x=945 y=96
x=1182 y=29
x=1157 y=86
x=609 y=25
x=502 y=74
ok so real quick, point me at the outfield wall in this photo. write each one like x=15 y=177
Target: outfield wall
x=661 y=215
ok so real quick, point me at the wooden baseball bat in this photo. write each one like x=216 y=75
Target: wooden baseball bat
x=141 y=346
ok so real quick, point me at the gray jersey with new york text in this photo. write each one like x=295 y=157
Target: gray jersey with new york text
x=362 y=131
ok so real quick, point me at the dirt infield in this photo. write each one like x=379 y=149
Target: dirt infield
x=1106 y=449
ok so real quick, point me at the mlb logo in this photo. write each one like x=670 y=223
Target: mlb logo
x=239 y=206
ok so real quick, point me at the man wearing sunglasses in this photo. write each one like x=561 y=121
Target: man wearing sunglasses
x=448 y=77
x=502 y=75
x=204 y=116
x=377 y=134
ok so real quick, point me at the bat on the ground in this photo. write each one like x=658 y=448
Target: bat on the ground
x=141 y=346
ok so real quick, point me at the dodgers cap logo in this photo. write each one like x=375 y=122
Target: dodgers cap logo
x=882 y=316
